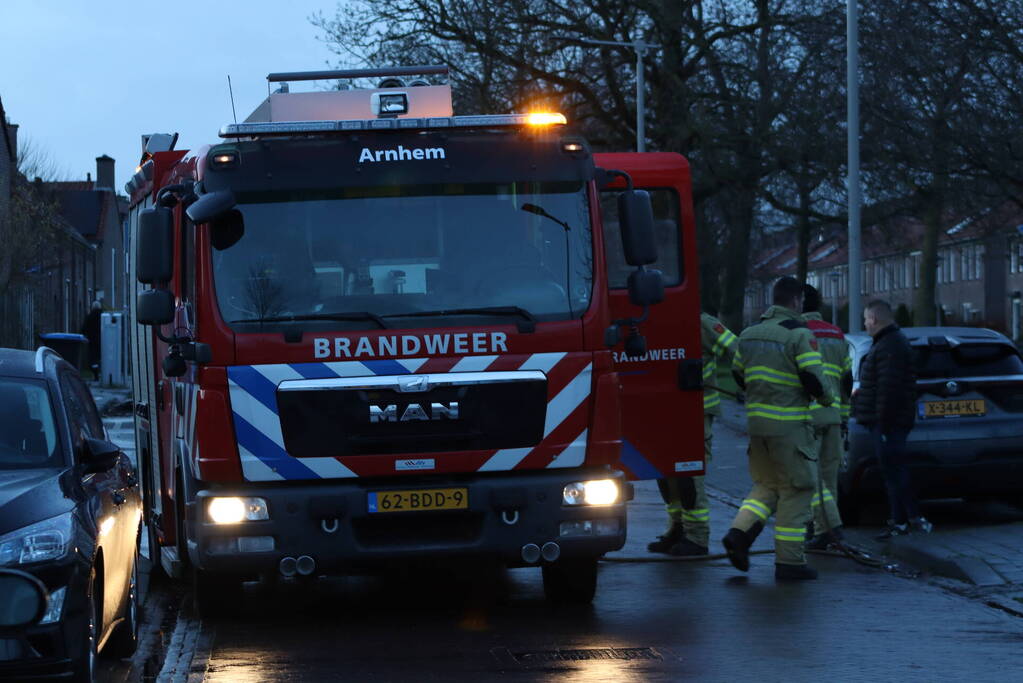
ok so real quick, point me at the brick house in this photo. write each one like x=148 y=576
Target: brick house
x=979 y=272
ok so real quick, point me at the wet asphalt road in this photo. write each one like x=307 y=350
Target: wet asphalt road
x=700 y=620
x=650 y=621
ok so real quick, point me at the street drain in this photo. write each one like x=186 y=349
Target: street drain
x=533 y=657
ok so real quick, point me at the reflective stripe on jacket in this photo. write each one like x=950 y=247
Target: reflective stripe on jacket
x=717 y=341
x=835 y=361
x=770 y=357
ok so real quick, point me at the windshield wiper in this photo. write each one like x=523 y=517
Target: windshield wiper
x=354 y=315
x=526 y=326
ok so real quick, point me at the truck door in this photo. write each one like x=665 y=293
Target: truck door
x=662 y=402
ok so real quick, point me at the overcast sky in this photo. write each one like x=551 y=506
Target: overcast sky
x=86 y=78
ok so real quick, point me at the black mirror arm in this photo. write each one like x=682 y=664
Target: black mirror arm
x=177 y=192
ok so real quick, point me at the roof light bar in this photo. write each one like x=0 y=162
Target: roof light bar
x=241 y=130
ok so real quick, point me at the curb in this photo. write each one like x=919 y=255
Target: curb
x=923 y=556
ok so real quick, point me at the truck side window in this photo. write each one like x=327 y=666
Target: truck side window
x=666 y=226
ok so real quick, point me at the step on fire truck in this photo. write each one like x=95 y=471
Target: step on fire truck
x=369 y=331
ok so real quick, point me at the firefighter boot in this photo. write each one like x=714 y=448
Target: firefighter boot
x=825 y=540
x=737 y=545
x=687 y=548
x=669 y=538
x=794 y=572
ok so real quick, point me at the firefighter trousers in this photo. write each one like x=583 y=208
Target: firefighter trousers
x=824 y=503
x=784 y=473
x=686 y=497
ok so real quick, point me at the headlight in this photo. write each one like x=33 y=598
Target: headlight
x=234 y=510
x=46 y=540
x=597 y=492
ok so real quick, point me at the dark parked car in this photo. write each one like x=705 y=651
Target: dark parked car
x=70 y=515
x=968 y=438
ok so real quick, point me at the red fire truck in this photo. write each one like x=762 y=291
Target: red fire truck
x=370 y=331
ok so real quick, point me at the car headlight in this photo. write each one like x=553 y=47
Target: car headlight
x=597 y=492
x=45 y=540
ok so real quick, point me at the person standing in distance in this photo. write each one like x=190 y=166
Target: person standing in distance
x=686 y=497
x=828 y=423
x=778 y=364
x=885 y=403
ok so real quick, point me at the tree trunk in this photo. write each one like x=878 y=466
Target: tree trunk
x=803 y=232
x=924 y=312
x=736 y=260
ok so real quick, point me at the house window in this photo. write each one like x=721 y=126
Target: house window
x=978 y=270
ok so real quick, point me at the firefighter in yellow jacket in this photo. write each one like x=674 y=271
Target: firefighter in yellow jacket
x=778 y=364
x=686 y=497
x=828 y=423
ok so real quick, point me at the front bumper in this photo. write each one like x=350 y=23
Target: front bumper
x=45 y=651
x=331 y=523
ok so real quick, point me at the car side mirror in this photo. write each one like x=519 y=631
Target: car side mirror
x=210 y=206
x=99 y=455
x=155 y=307
x=24 y=601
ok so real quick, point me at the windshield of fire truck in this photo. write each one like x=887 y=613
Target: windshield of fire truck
x=304 y=256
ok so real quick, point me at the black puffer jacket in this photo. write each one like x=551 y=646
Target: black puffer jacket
x=887 y=393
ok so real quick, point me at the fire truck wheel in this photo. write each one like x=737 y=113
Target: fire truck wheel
x=215 y=594
x=571 y=581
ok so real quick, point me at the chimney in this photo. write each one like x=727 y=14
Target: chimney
x=12 y=132
x=104 y=173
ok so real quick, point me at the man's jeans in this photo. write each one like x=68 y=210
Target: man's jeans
x=891 y=456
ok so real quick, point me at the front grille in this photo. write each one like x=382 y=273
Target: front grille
x=329 y=418
x=412 y=529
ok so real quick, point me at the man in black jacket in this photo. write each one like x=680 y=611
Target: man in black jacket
x=886 y=404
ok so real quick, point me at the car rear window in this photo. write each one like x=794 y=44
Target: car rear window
x=967 y=360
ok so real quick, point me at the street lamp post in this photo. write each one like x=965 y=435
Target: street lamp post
x=834 y=275
x=641 y=49
x=853 y=179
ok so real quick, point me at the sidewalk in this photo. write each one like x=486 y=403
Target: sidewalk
x=114 y=405
x=989 y=553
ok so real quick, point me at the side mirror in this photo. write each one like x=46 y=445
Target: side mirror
x=99 y=455
x=155 y=307
x=210 y=205
x=637 y=218
x=24 y=601
x=646 y=287
x=154 y=252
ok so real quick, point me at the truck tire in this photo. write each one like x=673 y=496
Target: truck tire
x=571 y=581
x=215 y=595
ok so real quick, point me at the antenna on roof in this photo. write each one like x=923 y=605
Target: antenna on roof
x=231 y=90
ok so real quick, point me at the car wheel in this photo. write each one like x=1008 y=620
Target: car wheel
x=125 y=638
x=571 y=581
x=83 y=662
x=215 y=594
x=849 y=508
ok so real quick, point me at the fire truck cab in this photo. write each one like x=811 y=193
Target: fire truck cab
x=369 y=331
